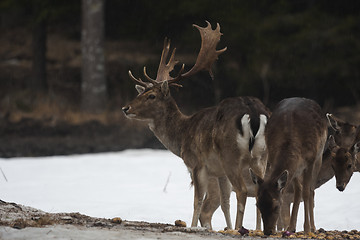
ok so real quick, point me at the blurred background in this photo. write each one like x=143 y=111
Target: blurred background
x=64 y=64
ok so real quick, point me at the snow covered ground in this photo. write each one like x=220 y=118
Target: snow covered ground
x=148 y=185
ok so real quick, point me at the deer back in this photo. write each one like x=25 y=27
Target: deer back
x=237 y=131
x=295 y=137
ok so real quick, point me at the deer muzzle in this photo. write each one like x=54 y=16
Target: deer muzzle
x=341 y=187
x=126 y=109
x=127 y=113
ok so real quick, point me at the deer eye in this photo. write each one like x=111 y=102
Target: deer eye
x=151 y=96
x=349 y=166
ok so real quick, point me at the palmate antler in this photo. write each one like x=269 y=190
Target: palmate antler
x=206 y=57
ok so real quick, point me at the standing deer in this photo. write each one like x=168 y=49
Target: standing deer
x=345 y=134
x=295 y=137
x=212 y=199
x=215 y=142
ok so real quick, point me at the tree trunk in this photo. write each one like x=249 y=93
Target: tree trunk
x=38 y=77
x=93 y=84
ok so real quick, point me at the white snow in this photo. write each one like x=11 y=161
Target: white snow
x=148 y=185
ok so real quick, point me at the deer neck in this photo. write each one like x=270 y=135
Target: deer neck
x=169 y=126
x=326 y=171
x=285 y=160
x=357 y=162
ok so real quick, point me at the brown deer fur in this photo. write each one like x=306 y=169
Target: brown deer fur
x=214 y=143
x=207 y=141
x=295 y=136
x=344 y=161
x=345 y=150
x=344 y=133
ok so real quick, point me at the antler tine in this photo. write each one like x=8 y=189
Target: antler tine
x=148 y=78
x=139 y=81
x=205 y=59
x=208 y=53
x=173 y=81
x=164 y=69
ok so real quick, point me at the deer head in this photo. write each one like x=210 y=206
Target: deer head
x=343 y=161
x=343 y=132
x=269 y=199
x=154 y=94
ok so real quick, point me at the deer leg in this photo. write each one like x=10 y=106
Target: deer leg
x=200 y=180
x=241 y=202
x=225 y=190
x=258 y=219
x=284 y=219
x=258 y=214
x=211 y=203
x=315 y=174
x=312 y=221
x=233 y=171
x=306 y=192
x=286 y=215
x=241 y=193
x=296 y=203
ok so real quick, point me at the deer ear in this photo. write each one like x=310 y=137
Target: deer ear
x=356 y=148
x=255 y=178
x=282 y=179
x=140 y=89
x=165 y=88
x=331 y=142
x=332 y=121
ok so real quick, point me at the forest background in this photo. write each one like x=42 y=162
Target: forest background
x=51 y=103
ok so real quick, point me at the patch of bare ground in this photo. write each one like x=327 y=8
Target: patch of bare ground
x=17 y=220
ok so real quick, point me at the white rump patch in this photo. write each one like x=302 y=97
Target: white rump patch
x=259 y=144
x=243 y=140
x=263 y=121
x=258 y=152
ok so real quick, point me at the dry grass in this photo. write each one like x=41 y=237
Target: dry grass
x=37 y=106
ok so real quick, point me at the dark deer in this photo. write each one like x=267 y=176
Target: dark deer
x=344 y=150
x=295 y=137
x=325 y=174
x=344 y=161
x=345 y=133
x=216 y=142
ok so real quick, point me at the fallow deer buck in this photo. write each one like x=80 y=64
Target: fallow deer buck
x=215 y=142
x=295 y=137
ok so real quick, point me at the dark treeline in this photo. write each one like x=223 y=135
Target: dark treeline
x=276 y=49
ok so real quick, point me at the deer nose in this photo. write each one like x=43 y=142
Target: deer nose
x=341 y=187
x=125 y=109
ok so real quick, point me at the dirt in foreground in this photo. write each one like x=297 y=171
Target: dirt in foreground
x=22 y=222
